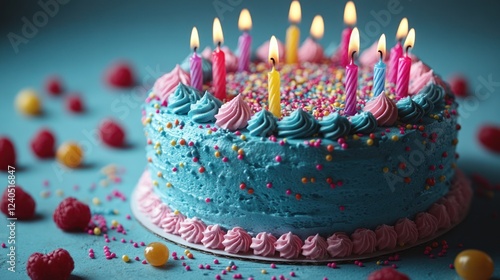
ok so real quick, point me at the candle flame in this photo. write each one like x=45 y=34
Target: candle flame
x=381 y=46
x=217 y=32
x=350 y=14
x=273 y=51
x=245 y=20
x=295 y=14
x=317 y=27
x=195 y=39
x=402 y=29
x=354 y=42
x=410 y=40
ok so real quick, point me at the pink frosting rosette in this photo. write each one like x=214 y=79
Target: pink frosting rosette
x=263 y=51
x=310 y=51
x=364 y=241
x=339 y=245
x=159 y=214
x=237 y=240
x=427 y=225
x=383 y=109
x=167 y=83
x=386 y=237
x=213 y=236
x=407 y=232
x=172 y=223
x=234 y=114
x=289 y=246
x=315 y=247
x=440 y=213
x=452 y=208
x=263 y=244
x=207 y=53
x=419 y=83
x=148 y=203
x=192 y=230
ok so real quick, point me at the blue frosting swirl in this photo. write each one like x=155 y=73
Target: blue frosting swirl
x=206 y=67
x=363 y=122
x=299 y=124
x=409 y=111
x=424 y=102
x=205 y=109
x=434 y=92
x=263 y=124
x=334 y=126
x=179 y=102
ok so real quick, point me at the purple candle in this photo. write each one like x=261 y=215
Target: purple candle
x=404 y=66
x=245 y=41
x=349 y=20
x=351 y=76
x=195 y=68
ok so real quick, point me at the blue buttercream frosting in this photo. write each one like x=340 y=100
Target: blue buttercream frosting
x=206 y=67
x=334 y=126
x=179 y=102
x=363 y=122
x=424 y=102
x=263 y=124
x=205 y=109
x=299 y=124
x=409 y=111
x=434 y=92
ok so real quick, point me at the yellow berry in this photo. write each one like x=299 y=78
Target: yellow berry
x=156 y=253
x=385 y=169
x=125 y=258
x=70 y=154
x=355 y=137
x=328 y=157
x=217 y=154
x=96 y=201
x=474 y=264
x=114 y=223
x=28 y=103
x=394 y=138
x=97 y=231
x=234 y=147
x=243 y=137
x=169 y=185
x=369 y=142
x=173 y=142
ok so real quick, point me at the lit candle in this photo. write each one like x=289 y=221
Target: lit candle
x=195 y=68
x=404 y=66
x=274 y=80
x=350 y=21
x=218 y=63
x=351 y=75
x=379 y=69
x=397 y=51
x=317 y=28
x=293 y=32
x=245 y=40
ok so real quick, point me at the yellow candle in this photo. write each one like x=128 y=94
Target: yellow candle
x=293 y=33
x=274 y=80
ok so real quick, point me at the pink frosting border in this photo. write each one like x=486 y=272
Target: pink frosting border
x=290 y=246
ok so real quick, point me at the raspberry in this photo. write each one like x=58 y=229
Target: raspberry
x=72 y=215
x=112 y=134
x=56 y=265
x=54 y=86
x=387 y=273
x=25 y=205
x=43 y=144
x=120 y=75
x=459 y=85
x=74 y=103
x=488 y=135
x=8 y=154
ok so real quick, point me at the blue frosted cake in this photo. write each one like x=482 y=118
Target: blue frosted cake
x=315 y=184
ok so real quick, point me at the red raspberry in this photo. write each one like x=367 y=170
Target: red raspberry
x=459 y=85
x=8 y=154
x=24 y=203
x=112 y=134
x=43 y=144
x=54 y=86
x=387 y=273
x=74 y=103
x=488 y=135
x=120 y=75
x=72 y=215
x=56 y=265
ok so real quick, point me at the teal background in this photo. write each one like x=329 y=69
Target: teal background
x=84 y=37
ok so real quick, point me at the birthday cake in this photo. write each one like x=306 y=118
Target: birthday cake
x=313 y=181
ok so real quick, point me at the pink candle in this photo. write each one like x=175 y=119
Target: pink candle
x=195 y=68
x=245 y=41
x=218 y=63
x=404 y=66
x=349 y=20
x=351 y=76
x=397 y=52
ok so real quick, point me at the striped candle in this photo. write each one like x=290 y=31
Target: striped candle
x=396 y=54
x=351 y=87
x=403 y=80
x=196 y=71
x=379 y=69
x=244 y=46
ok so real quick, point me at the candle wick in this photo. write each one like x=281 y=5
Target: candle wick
x=381 y=55
x=218 y=44
x=408 y=49
x=352 y=57
x=274 y=62
x=195 y=48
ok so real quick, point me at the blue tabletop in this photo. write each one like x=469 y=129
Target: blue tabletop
x=78 y=40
